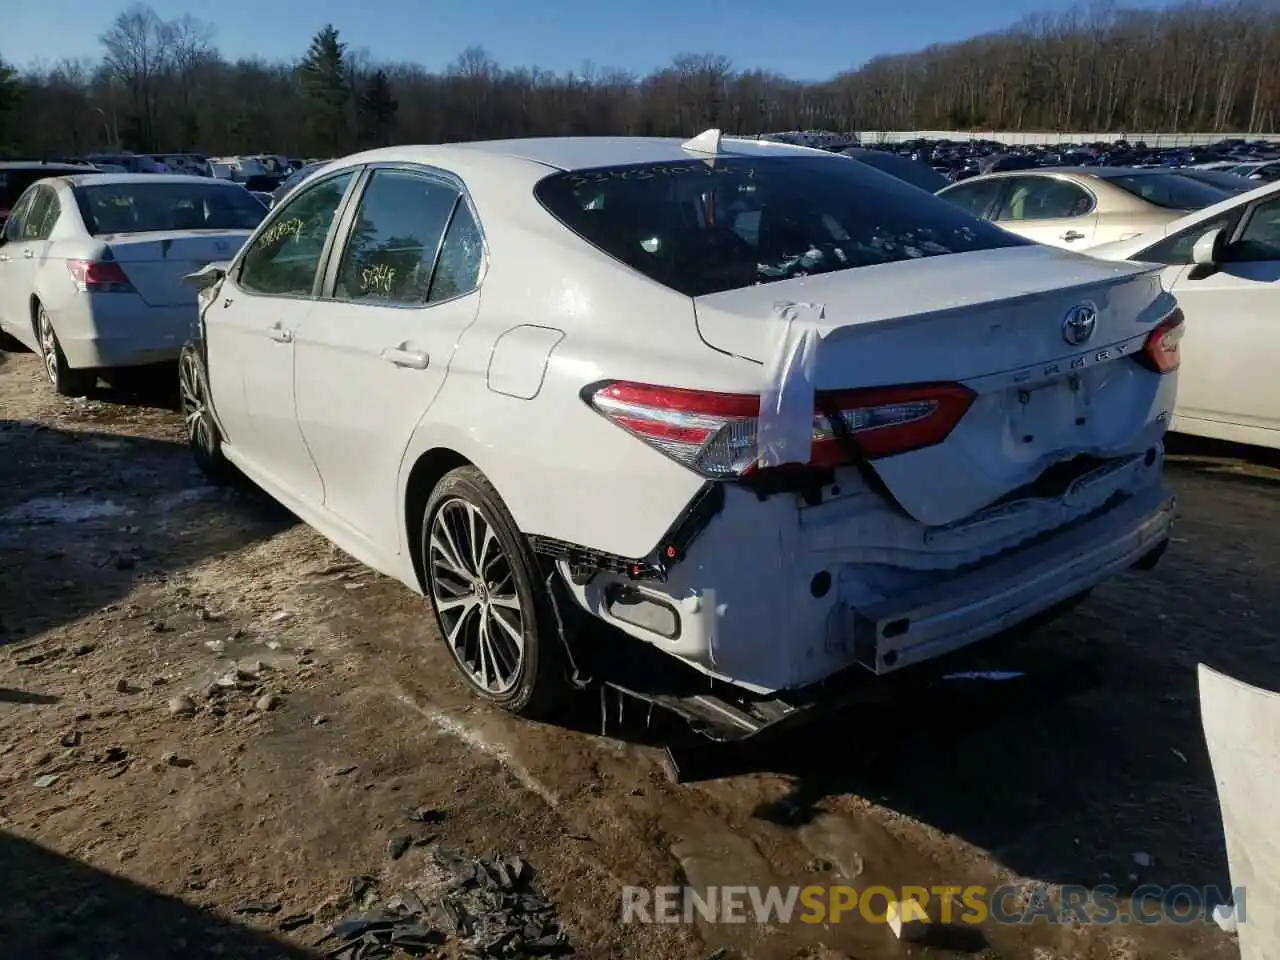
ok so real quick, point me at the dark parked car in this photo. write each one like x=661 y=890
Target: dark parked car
x=294 y=179
x=17 y=175
x=904 y=168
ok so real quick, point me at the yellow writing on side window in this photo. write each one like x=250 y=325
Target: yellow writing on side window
x=377 y=279
x=278 y=232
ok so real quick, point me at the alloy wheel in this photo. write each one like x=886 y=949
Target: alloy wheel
x=194 y=406
x=48 y=346
x=473 y=588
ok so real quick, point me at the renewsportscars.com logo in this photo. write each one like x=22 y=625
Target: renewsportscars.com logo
x=1148 y=904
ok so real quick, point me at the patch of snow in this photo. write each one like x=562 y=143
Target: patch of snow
x=65 y=510
x=996 y=675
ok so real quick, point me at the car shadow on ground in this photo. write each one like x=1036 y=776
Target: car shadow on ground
x=86 y=515
x=54 y=907
x=152 y=386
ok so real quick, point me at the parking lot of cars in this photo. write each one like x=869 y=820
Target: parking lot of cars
x=202 y=693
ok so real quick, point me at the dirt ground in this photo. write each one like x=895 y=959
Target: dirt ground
x=211 y=722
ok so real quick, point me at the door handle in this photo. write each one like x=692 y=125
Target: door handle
x=29 y=254
x=280 y=335
x=414 y=359
x=1072 y=235
x=5 y=258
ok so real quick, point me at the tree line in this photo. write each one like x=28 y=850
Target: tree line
x=162 y=85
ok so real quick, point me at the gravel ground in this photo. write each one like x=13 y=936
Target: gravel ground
x=218 y=736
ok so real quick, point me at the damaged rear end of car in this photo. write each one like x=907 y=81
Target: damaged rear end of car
x=943 y=433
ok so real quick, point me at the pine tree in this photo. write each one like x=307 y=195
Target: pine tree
x=10 y=91
x=327 y=84
x=377 y=111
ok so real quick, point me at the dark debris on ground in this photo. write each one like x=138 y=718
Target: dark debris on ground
x=486 y=907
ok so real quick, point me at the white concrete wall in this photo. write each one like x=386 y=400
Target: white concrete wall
x=1029 y=138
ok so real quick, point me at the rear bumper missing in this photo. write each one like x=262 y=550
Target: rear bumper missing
x=934 y=620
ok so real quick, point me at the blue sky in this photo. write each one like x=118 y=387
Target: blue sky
x=803 y=40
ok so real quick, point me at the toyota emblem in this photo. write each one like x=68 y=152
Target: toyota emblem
x=1079 y=324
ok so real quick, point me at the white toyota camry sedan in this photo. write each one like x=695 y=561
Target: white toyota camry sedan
x=92 y=267
x=776 y=414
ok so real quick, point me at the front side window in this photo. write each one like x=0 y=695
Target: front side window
x=392 y=248
x=700 y=227
x=1260 y=239
x=1170 y=190
x=150 y=207
x=1044 y=198
x=282 y=259
x=1176 y=250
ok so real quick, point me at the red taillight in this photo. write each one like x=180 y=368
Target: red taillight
x=99 y=276
x=1160 y=352
x=714 y=434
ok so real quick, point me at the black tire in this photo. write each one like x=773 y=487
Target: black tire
x=538 y=683
x=203 y=436
x=65 y=381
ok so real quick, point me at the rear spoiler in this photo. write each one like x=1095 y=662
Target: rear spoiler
x=208 y=275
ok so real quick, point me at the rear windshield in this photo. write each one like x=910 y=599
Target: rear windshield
x=701 y=227
x=1170 y=190
x=149 y=207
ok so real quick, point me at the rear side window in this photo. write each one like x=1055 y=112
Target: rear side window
x=395 y=238
x=1169 y=190
x=701 y=227
x=151 y=207
x=461 y=256
x=45 y=214
x=1044 y=198
x=974 y=198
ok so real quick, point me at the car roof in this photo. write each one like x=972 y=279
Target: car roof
x=40 y=165
x=100 y=179
x=1096 y=173
x=581 y=153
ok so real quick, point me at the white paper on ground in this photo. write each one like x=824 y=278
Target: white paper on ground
x=1242 y=730
x=785 y=429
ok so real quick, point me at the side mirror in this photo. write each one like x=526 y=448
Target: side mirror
x=1207 y=251
x=208 y=275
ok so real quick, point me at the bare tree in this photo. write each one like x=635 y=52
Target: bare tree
x=1203 y=64
x=139 y=46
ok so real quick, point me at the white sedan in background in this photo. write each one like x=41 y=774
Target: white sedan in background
x=91 y=267
x=1223 y=265
x=552 y=379
x=1079 y=207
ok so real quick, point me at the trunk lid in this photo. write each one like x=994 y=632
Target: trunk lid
x=995 y=321
x=156 y=263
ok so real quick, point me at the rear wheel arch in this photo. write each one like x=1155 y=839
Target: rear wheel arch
x=427 y=472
